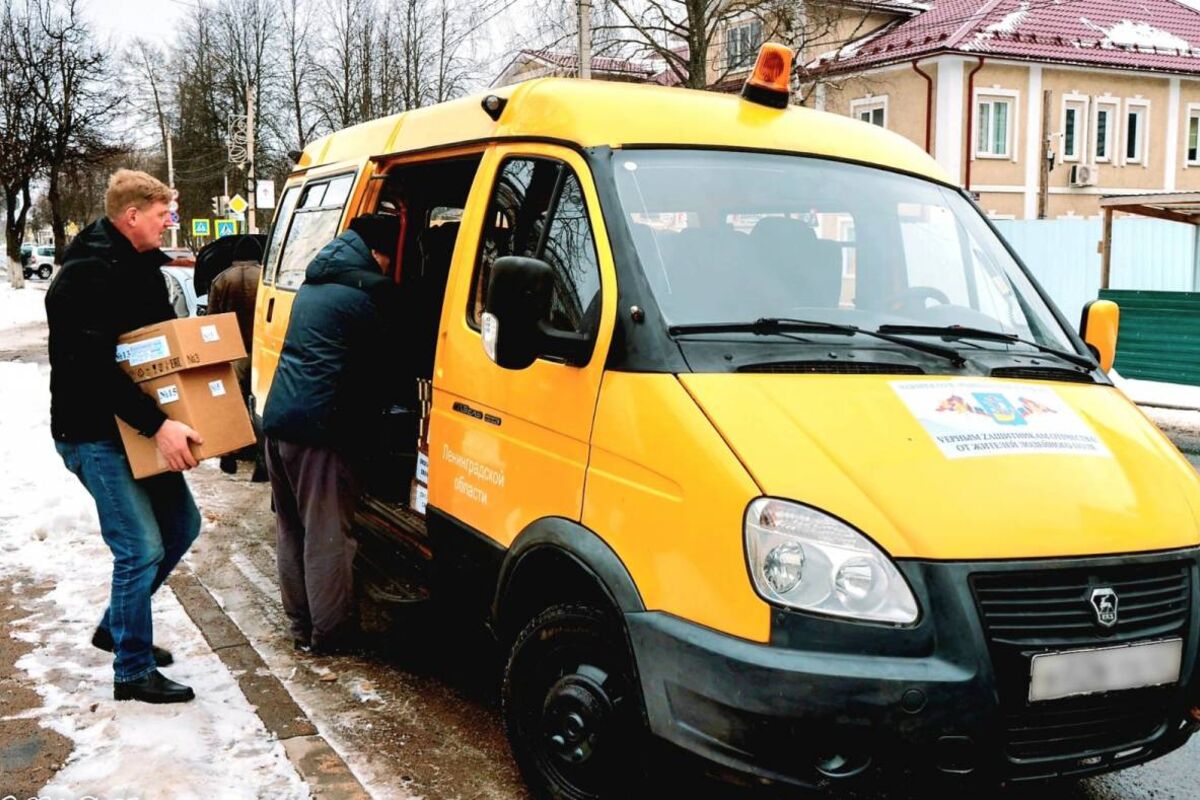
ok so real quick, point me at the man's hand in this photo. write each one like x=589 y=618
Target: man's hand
x=172 y=440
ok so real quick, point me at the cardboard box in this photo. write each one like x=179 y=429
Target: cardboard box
x=206 y=398
x=175 y=345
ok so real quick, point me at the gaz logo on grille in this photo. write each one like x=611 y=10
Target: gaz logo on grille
x=1104 y=602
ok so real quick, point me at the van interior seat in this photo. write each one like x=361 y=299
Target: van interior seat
x=425 y=287
x=808 y=269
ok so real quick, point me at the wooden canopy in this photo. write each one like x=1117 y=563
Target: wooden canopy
x=1175 y=206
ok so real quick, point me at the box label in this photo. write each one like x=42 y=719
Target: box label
x=209 y=333
x=423 y=468
x=217 y=388
x=147 y=350
x=168 y=394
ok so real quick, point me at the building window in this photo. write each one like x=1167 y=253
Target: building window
x=743 y=44
x=1073 y=129
x=1136 y=117
x=1106 y=114
x=872 y=110
x=993 y=132
x=1193 y=137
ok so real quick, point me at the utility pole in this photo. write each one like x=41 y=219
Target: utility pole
x=171 y=183
x=251 y=226
x=585 y=39
x=1044 y=167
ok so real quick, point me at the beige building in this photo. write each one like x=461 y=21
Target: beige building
x=1121 y=81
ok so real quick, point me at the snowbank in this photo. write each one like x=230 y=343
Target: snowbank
x=21 y=306
x=214 y=746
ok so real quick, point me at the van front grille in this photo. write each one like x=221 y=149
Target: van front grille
x=1051 y=607
x=1028 y=612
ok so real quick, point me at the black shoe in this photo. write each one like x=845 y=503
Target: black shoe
x=102 y=638
x=154 y=688
x=302 y=645
x=260 y=475
x=228 y=465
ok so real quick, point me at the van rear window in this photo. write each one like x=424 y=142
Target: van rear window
x=314 y=224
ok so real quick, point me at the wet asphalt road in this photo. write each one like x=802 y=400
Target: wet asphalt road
x=435 y=731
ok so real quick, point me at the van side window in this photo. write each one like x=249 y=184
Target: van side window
x=314 y=224
x=279 y=227
x=538 y=210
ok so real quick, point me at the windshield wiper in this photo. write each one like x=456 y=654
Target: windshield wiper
x=957 y=332
x=768 y=326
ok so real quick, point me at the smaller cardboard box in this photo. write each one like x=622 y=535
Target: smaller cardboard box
x=175 y=345
x=206 y=398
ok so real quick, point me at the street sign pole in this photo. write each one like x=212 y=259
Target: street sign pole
x=174 y=194
x=252 y=228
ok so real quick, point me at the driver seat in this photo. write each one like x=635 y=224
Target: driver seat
x=809 y=267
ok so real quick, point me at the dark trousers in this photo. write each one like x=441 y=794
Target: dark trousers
x=315 y=493
x=148 y=525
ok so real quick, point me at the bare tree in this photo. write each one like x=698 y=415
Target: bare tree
x=78 y=98
x=299 y=70
x=22 y=141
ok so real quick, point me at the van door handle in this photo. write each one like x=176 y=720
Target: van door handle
x=270 y=308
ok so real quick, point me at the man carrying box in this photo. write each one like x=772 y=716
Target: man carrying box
x=110 y=283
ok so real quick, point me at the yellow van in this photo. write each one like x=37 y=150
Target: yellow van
x=751 y=439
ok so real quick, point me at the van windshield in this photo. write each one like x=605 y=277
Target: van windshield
x=733 y=237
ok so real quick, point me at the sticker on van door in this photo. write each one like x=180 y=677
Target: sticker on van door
x=975 y=418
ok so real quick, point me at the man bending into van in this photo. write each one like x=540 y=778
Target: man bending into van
x=327 y=395
x=109 y=284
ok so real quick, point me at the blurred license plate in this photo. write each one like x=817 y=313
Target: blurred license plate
x=1109 y=669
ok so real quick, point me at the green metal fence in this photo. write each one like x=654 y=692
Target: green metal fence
x=1159 y=338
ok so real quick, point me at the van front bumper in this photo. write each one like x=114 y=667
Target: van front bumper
x=829 y=702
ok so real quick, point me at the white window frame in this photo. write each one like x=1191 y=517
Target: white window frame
x=1193 y=112
x=746 y=62
x=869 y=104
x=1142 y=108
x=1080 y=103
x=997 y=95
x=1112 y=105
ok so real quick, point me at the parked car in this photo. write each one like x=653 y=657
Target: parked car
x=40 y=262
x=181 y=290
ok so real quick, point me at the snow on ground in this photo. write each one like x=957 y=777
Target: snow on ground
x=1154 y=393
x=21 y=306
x=214 y=746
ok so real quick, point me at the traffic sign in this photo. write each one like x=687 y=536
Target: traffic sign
x=173 y=205
x=264 y=194
x=174 y=194
x=238 y=203
x=174 y=217
x=200 y=227
x=226 y=227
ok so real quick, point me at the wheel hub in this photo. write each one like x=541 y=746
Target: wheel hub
x=575 y=715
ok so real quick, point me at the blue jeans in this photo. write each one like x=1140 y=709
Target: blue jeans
x=148 y=525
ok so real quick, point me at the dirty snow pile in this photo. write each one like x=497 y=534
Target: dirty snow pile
x=214 y=746
x=20 y=307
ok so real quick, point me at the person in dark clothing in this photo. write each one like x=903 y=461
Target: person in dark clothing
x=109 y=284
x=328 y=391
x=235 y=290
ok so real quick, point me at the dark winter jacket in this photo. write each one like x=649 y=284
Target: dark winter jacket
x=105 y=288
x=236 y=290
x=340 y=356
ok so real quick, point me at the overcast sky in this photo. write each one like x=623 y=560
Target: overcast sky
x=119 y=21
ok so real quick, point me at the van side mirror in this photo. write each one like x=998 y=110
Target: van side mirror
x=1098 y=327
x=515 y=325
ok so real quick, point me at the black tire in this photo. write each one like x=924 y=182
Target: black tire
x=572 y=706
x=44 y=271
x=27 y=272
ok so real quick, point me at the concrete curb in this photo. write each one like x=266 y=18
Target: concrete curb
x=321 y=767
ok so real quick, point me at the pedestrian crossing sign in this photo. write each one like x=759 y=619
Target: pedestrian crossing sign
x=226 y=227
x=200 y=227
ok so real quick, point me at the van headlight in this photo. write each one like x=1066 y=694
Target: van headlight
x=805 y=559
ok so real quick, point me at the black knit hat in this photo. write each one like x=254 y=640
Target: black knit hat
x=379 y=231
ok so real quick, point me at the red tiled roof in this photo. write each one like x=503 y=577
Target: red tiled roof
x=599 y=63
x=1143 y=35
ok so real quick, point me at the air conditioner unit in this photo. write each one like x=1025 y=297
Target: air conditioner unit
x=1085 y=175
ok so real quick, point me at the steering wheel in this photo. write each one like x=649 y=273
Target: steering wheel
x=912 y=299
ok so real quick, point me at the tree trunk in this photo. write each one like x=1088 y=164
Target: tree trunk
x=14 y=231
x=57 y=224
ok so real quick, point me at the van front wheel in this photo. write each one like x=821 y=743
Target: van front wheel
x=572 y=707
